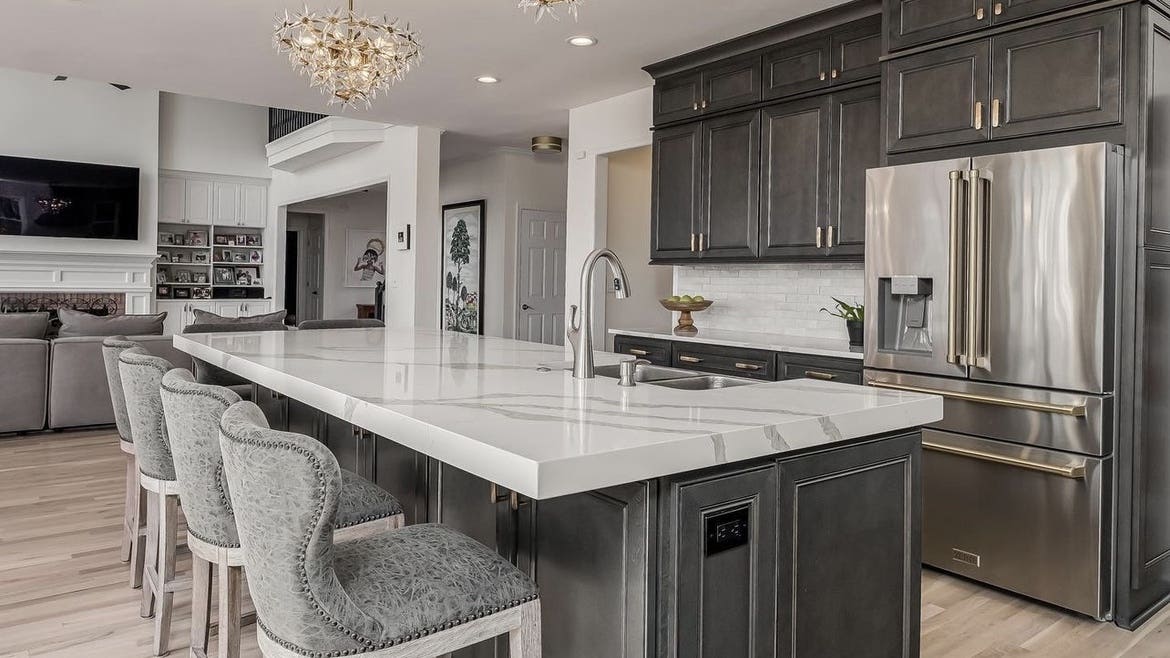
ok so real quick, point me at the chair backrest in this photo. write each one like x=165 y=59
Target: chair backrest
x=205 y=373
x=284 y=490
x=112 y=347
x=193 y=412
x=351 y=323
x=142 y=374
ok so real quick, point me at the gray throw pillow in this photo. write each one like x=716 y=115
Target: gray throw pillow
x=24 y=325
x=80 y=323
x=207 y=317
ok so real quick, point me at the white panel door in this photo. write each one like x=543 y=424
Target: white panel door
x=540 y=299
x=253 y=206
x=227 y=204
x=198 y=201
x=171 y=204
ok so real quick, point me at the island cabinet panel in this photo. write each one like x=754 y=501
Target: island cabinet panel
x=730 y=183
x=658 y=352
x=859 y=597
x=805 y=366
x=674 y=215
x=938 y=98
x=717 y=579
x=402 y=472
x=344 y=441
x=795 y=191
x=737 y=361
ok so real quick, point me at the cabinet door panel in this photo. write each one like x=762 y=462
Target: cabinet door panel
x=675 y=201
x=856 y=146
x=931 y=98
x=807 y=366
x=731 y=186
x=677 y=97
x=731 y=84
x=227 y=204
x=796 y=67
x=911 y=22
x=171 y=206
x=795 y=176
x=402 y=472
x=1058 y=76
x=655 y=351
x=855 y=51
x=197 y=199
x=253 y=206
x=1004 y=11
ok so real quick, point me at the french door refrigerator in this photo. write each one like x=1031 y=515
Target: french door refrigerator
x=989 y=282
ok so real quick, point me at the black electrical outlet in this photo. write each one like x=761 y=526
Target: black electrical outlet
x=727 y=530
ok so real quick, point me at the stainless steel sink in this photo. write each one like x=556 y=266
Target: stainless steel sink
x=704 y=382
x=647 y=374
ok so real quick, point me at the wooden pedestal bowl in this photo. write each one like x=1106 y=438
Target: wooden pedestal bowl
x=686 y=325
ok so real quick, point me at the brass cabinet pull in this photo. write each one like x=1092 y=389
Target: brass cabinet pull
x=997 y=9
x=690 y=359
x=820 y=241
x=1075 y=472
x=747 y=366
x=692 y=243
x=701 y=247
x=703 y=105
x=823 y=376
x=822 y=75
x=956 y=269
x=695 y=105
x=978 y=115
x=995 y=105
x=637 y=352
x=833 y=74
x=1076 y=410
x=829 y=236
x=979 y=14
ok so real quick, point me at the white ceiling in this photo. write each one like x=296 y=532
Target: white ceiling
x=222 y=49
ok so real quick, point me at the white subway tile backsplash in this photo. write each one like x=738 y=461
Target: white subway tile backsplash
x=776 y=298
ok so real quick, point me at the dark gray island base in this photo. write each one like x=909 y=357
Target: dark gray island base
x=813 y=553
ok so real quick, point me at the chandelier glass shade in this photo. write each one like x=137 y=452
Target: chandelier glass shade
x=349 y=56
x=549 y=7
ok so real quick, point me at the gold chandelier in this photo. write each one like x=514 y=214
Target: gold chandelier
x=550 y=7
x=351 y=57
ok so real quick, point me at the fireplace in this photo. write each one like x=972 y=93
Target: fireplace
x=97 y=303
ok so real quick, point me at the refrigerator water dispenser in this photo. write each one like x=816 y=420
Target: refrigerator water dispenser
x=904 y=305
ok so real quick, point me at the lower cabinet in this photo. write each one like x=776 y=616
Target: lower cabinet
x=653 y=350
x=736 y=361
x=805 y=366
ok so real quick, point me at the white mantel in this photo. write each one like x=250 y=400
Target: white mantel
x=33 y=271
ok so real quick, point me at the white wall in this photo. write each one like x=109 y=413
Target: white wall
x=364 y=210
x=212 y=136
x=82 y=121
x=508 y=180
x=408 y=160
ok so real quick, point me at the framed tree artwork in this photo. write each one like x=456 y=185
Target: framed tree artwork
x=462 y=275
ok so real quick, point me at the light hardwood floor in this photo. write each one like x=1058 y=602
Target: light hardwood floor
x=63 y=592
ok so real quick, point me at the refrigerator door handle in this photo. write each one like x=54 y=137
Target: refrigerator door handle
x=1076 y=410
x=976 y=221
x=1072 y=471
x=955 y=351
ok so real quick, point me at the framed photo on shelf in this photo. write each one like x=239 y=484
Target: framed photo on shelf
x=179 y=257
x=225 y=255
x=242 y=240
x=162 y=292
x=199 y=277
x=239 y=257
x=225 y=276
x=160 y=276
x=253 y=239
x=182 y=293
x=179 y=239
x=199 y=257
x=254 y=256
x=197 y=238
x=183 y=276
x=247 y=276
x=166 y=237
x=164 y=257
x=201 y=293
x=221 y=239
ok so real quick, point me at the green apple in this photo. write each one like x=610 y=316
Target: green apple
x=697 y=298
x=686 y=299
x=674 y=298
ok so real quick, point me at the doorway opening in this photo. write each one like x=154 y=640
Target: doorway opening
x=304 y=287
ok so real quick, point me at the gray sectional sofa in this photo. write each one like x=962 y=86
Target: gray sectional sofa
x=59 y=381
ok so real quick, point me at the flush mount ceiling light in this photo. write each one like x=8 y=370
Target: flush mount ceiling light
x=549 y=7
x=351 y=57
x=487 y=79
x=582 y=41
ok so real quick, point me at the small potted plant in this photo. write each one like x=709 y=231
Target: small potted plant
x=854 y=317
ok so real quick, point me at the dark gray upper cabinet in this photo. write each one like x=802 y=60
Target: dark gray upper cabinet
x=675 y=185
x=912 y=22
x=677 y=97
x=938 y=98
x=1004 y=11
x=846 y=54
x=731 y=84
x=854 y=51
x=1057 y=76
x=795 y=177
x=854 y=147
x=730 y=181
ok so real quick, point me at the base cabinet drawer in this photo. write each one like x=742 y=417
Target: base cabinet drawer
x=657 y=352
x=801 y=366
x=753 y=364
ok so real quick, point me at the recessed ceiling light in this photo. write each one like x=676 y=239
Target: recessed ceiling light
x=582 y=41
x=487 y=79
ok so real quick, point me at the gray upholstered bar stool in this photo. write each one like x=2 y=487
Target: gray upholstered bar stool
x=350 y=323
x=133 y=516
x=424 y=590
x=142 y=375
x=193 y=413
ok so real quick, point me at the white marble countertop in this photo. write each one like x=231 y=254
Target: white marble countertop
x=507 y=411
x=775 y=342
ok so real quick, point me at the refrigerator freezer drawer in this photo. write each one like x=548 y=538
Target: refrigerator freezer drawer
x=1072 y=422
x=1029 y=520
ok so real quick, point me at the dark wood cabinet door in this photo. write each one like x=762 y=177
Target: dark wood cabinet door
x=1058 y=76
x=731 y=84
x=730 y=182
x=807 y=366
x=874 y=579
x=856 y=145
x=735 y=361
x=402 y=472
x=912 y=22
x=1005 y=11
x=655 y=351
x=677 y=97
x=795 y=180
x=675 y=186
x=938 y=98
x=797 y=66
x=854 y=51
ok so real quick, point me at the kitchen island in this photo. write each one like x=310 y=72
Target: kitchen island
x=775 y=518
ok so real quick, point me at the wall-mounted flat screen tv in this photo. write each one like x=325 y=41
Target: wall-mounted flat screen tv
x=49 y=198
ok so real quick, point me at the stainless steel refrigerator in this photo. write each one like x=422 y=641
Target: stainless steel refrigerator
x=989 y=281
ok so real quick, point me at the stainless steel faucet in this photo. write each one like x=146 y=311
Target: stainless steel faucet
x=580 y=329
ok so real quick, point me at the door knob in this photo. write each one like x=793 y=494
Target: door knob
x=526 y=307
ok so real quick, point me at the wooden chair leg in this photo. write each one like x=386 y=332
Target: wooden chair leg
x=138 y=542
x=230 y=607
x=129 y=525
x=200 y=606
x=150 y=562
x=168 y=524
x=524 y=642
